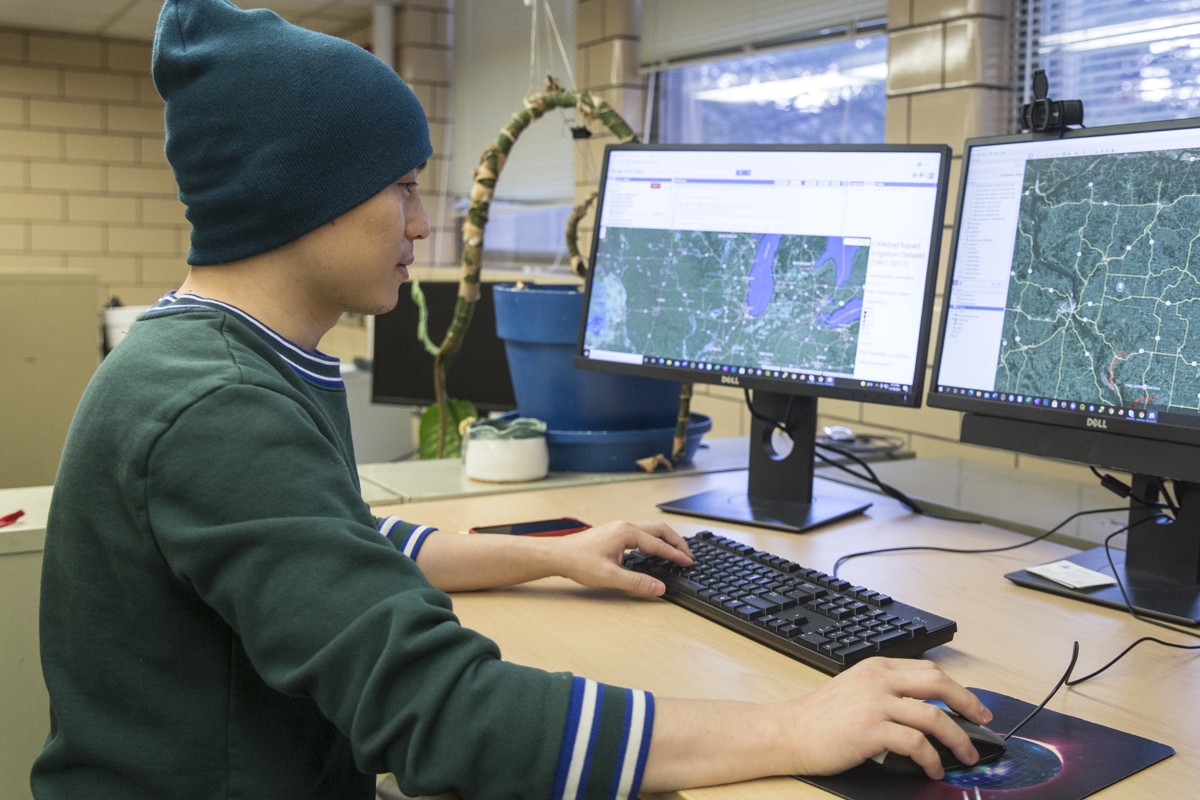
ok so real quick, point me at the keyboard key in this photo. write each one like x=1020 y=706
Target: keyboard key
x=763 y=605
x=856 y=651
x=884 y=639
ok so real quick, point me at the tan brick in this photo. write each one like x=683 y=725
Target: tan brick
x=728 y=418
x=169 y=271
x=31 y=81
x=915 y=58
x=427 y=94
x=68 y=115
x=843 y=409
x=85 y=208
x=954 y=115
x=150 y=152
x=130 y=56
x=68 y=177
x=1053 y=467
x=12 y=45
x=161 y=211
x=30 y=144
x=14 y=174
x=100 y=85
x=896 y=120
x=15 y=206
x=13 y=111
x=100 y=147
x=147 y=93
x=67 y=51
x=138 y=240
x=899 y=14
x=976 y=52
x=109 y=269
x=428 y=64
x=136 y=119
x=934 y=10
x=954 y=178
x=33 y=263
x=66 y=238
x=931 y=447
x=142 y=180
x=13 y=236
x=930 y=421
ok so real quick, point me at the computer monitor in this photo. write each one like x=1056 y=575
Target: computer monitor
x=797 y=271
x=1071 y=329
x=402 y=369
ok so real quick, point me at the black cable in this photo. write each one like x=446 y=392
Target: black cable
x=887 y=489
x=1133 y=612
x=1066 y=679
x=931 y=548
x=785 y=427
x=837 y=564
x=1122 y=489
x=1125 y=652
x=1054 y=691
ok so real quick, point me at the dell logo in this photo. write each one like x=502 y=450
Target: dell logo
x=731 y=380
x=1097 y=422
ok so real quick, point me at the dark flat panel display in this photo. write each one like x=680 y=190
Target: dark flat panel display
x=402 y=373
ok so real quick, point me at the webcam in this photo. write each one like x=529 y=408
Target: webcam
x=1044 y=114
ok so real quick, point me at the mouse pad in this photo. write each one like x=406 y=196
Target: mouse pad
x=1054 y=757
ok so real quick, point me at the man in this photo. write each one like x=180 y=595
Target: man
x=221 y=614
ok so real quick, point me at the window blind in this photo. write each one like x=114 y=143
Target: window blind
x=1127 y=62
x=491 y=76
x=675 y=30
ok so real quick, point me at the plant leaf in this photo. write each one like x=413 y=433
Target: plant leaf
x=458 y=410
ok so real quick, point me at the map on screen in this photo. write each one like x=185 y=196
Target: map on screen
x=769 y=301
x=1102 y=299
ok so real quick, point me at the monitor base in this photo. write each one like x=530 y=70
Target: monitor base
x=1151 y=595
x=742 y=509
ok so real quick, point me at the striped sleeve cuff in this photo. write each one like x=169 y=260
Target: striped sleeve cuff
x=605 y=743
x=406 y=536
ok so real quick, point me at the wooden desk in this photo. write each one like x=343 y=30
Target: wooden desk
x=1010 y=640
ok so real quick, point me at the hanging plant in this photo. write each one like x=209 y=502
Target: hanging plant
x=441 y=425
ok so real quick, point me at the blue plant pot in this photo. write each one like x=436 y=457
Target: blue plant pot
x=539 y=326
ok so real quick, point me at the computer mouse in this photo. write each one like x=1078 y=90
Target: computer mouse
x=989 y=744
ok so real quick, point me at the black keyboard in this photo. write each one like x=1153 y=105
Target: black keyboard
x=816 y=618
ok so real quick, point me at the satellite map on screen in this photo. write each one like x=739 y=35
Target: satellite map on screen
x=1102 y=301
x=754 y=300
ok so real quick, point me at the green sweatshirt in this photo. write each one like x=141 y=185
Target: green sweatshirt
x=222 y=616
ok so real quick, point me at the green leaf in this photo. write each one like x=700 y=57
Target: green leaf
x=458 y=410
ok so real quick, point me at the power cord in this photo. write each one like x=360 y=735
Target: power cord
x=785 y=427
x=1066 y=679
x=1054 y=691
x=936 y=549
x=1110 y=482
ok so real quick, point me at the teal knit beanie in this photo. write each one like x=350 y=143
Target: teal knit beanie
x=273 y=130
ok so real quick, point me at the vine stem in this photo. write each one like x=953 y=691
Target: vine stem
x=491 y=163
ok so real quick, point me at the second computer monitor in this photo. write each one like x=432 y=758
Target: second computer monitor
x=800 y=272
x=1070 y=332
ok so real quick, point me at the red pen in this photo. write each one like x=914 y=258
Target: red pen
x=9 y=519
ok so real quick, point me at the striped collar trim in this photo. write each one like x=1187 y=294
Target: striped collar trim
x=313 y=366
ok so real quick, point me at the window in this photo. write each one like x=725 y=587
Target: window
x=1127 y=61
x=831 y=92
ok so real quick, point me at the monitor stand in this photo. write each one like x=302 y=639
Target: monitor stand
x=1159 y=568
x=779 y=489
